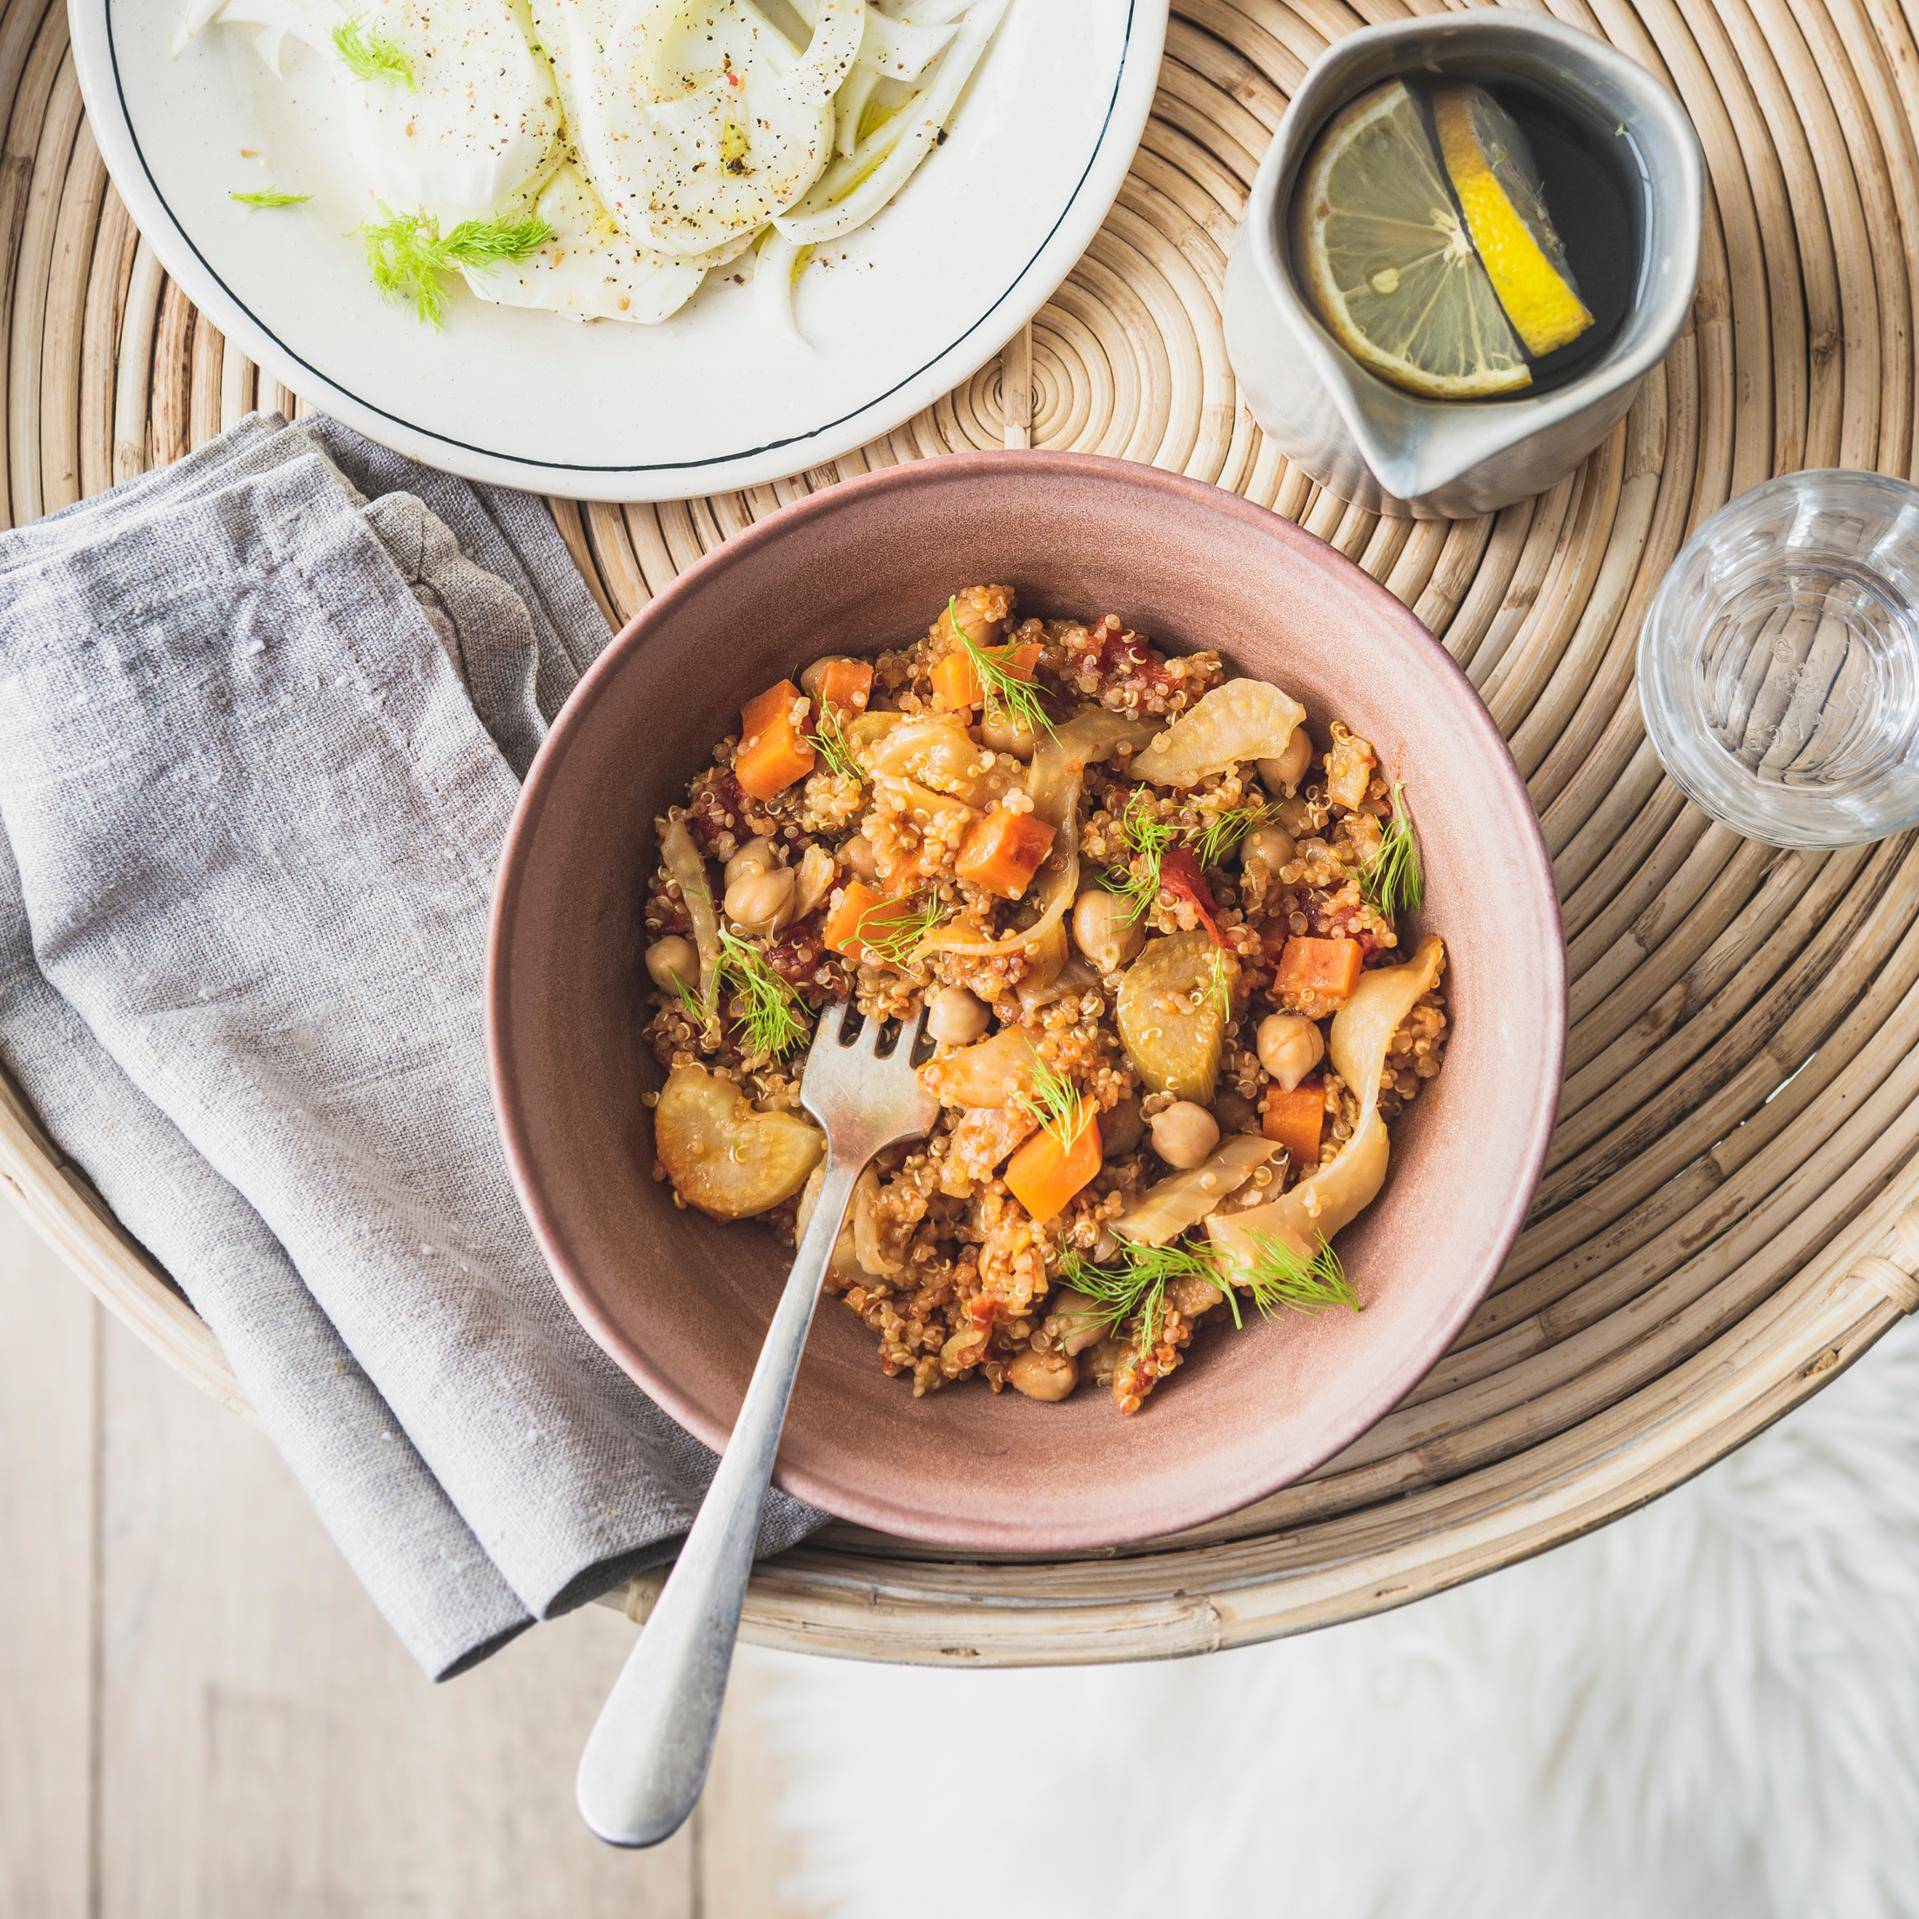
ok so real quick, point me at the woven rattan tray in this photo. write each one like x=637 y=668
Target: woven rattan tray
x=1726 y=1217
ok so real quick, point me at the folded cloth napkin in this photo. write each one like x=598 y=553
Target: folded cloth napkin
x=262 y=721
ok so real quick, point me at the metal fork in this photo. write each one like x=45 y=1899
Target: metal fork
x=648 y=1753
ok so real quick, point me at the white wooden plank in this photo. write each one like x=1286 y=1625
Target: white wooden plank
x=267 y=1746
x=47 y=1331
x=741 y=1851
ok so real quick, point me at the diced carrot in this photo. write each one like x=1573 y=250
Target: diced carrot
x=1003 y=852
x=1326 y=969
x=772 y=752
x=1043 y=1175
x=1294 y=1119
x=847 y=684
x=859 y=915
x=956 y=681
x=842 y=929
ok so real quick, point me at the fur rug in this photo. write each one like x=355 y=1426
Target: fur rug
x=1710 y=1708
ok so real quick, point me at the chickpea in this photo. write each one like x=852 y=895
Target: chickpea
x=857 y=856
x=1121 y=1130
x=1192 y=1294
x=981 y=613
x=1079 y=1321
x=955 y=1017
x=756 y=856
x=761 y=902
x=1267 y=848
x=1043 y=1375
x=1183 y=1134
x=1296 y=817
x=1103 y=930
x=1289 y=1047
x=1282 y=775
x=1081 y=1324
x=1008 y=733
x=1235 y=1112
x=673 y=961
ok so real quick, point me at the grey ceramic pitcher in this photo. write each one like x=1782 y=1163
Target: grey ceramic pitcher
x=1389 y=450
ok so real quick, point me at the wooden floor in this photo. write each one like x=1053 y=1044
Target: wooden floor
x=202 y=1717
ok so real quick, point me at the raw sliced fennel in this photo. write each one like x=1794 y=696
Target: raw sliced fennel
x=657 y=139
x=589 y=269
x=478 y=126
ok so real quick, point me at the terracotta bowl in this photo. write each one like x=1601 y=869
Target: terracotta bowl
x=681 y=1302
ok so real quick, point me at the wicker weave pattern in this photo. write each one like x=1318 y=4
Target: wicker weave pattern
x=1721 y=1228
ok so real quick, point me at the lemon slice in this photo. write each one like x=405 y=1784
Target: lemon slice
x=1386 y=262
x=1492 y=172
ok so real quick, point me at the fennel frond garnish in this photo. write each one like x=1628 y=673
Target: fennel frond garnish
x=704 y=1017
x=1138 y=883
x=766 y=1008
x=1131 y=1288
x=1057 y=1104
x=271 y=197
x=407 y=253
x=372 y=56
x=1279 y=1277
x=829 y=741
x=1394 y=880
x=1008 y=699
x=895 y=939
x=1140 y=880
x=1214 y=842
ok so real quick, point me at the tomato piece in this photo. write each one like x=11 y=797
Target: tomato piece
x=1180 y=874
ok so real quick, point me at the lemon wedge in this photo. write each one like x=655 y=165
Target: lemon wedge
x=1383 y=256
x=1492 y=172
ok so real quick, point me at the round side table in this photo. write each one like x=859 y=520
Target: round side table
x=1727 y=1218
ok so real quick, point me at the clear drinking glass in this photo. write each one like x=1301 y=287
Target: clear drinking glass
x=1779 y=665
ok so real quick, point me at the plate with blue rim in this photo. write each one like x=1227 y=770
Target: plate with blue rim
x=711 y=399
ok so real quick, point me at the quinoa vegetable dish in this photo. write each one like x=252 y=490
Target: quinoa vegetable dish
x=1157 y=927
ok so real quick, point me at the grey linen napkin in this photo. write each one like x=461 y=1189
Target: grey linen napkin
x=263 y=716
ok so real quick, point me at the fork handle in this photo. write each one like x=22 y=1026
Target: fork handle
x=649 y=1751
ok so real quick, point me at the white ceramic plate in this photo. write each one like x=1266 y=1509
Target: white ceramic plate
x=896 y=315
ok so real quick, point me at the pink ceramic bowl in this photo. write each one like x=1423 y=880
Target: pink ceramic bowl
x=681 y=1303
